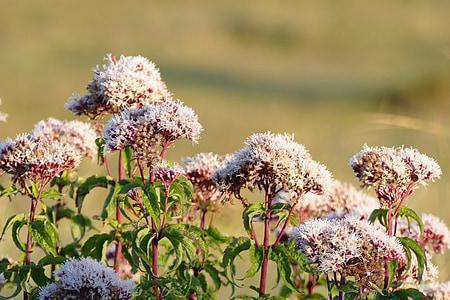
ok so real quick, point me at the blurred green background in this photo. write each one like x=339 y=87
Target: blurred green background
x=338 y=74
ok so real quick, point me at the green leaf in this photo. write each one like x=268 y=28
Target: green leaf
x=418 y=251
x=10 y=221
x=8 y=192
x=256 y=258
x=45 y=234
x=392 y=269
x=234 y=249
x=52 y=194
x=95 y=246
x=214 y=274
x=250 y=212
x=127 y=157
x=16 y=227
x=410 y=213
x=51 y=260
x=151 y=201
x=379 y=214
x=38 y=275
x=88 y=185
x=410 y=293
x=280 y=256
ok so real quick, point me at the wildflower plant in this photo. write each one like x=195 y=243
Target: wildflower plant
x=155 y=235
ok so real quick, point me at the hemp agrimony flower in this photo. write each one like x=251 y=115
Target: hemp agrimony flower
x=350 y=247
x=393 y=172
x=81 y=135
x=200 y=169
x=151 y=127
x=36 y=159
x=275 y=160
x=86 y=278
x=436 y=291
x=124 y=83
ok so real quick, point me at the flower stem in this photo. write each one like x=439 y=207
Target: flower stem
x=263 y=279
x=29 y=247
x=118 y=252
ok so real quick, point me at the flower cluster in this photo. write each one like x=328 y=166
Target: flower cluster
x=87 y=279
x=349 y=246
x=275 y=162
x=32 y=158
x=146 y=128
x=430 y=274
x=436 y=291
x=393 y=172
x=167 y=174
x=127 y=82
x=436 y=235
x=81 y=135
x=200 y=169
x=343 y=199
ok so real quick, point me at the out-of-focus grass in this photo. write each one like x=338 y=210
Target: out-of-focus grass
x=322 y=70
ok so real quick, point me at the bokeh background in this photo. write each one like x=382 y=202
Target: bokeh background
x=338 y=74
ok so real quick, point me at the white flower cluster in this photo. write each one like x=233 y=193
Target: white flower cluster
x=411 y=277
x=167 y=174
x=343 y=199
x=436 y=291
x=127 y=82
x=86 y=278
x=436 y=235
x=146 y=128
x=32 y=158
x=81 y=135
x=200 y=169
x=349 y=246
x=273 y=161
x=393 y=172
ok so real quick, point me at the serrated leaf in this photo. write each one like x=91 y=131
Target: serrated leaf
x=280 y=256
x=419 y=252
x=151 y=202
x=234 y=249
x=392 y=269
x=88 y=185
x=410 y=293
x=256 y=257
x=250 y=212
x=45 y=234
x=410 y=213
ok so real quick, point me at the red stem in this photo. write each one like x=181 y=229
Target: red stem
x=118 y=252
x=263 y=279
x=203 y=219
x=108 y=168
x=283 y=229
x=29 y=247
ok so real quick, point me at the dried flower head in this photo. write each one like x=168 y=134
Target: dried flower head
x=275 y=162
x=350 y=246
x=342 y=200
x=393 y=172
x=436 y=291
x=436 y=235
x=32 y=158
x=127 y=82
x=148 y=128
x=81 y=135
x=200 y=169
x=86 y=278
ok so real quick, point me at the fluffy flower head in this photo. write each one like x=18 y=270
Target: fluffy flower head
x=436 y=291
x=81 y=135
x=86 y=278
x=275 y=160
x=127 y=82
x=33 y=158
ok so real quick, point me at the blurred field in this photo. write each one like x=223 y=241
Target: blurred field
x=331 y=72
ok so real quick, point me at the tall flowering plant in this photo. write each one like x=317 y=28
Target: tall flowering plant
x=156 y=237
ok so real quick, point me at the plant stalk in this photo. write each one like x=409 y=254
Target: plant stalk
x=263 y=279
x=118 y=253
x=29 y=247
